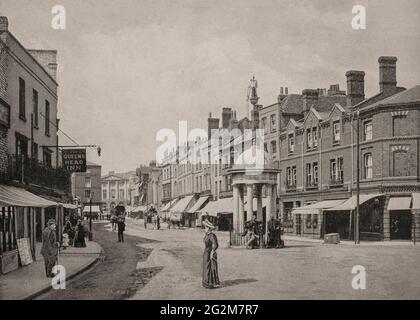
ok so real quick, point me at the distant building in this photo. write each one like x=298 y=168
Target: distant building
x=116 y=189
x=86 y=185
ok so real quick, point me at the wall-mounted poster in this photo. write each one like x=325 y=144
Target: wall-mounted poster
x=24 y=249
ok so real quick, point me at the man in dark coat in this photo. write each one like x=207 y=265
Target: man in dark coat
x=274 y=233
x=121 y=228
x=49 y=247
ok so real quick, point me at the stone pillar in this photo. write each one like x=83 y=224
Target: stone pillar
x=42 y=219
x=386 y=221
x=259 y=203
x=249 y=197
x=416 y=226
x=268 y=209
x=241 y=209
x=25 y=222
x=236 y=219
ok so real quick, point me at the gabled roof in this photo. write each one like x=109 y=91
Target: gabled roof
x=338 y=107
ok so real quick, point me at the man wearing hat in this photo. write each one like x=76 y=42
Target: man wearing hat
x=49 y=247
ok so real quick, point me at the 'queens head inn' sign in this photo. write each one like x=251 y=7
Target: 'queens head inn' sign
x=74 y=160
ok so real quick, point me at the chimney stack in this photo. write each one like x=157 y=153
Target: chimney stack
x=4 y=24
x=283 y=94
x=310 y=98
x=355 y=87
x=387 y=73
x=286 y=91
x=212 y=124
x=226 y=117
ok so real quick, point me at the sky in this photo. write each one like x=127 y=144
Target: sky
x=129 y=68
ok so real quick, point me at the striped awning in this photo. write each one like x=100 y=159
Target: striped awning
x=182 y=204
x=213 y=208
x=18 y=197
x=198 y=205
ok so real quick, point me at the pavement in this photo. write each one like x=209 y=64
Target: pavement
x=30 y=281
x=304 y=269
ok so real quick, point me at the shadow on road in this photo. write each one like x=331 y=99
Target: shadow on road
x=229 y=283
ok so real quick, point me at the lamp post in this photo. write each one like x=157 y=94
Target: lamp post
x=357 y=216
x=90 y=216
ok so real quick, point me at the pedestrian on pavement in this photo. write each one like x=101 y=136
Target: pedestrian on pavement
x=79 y=238
x=158 y=221
x=113 y=222
x=49 y=248
x=69 y=231
x=121 y=228
x=210 y=269
x=145 y=220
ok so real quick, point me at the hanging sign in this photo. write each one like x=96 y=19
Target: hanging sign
x=74 y=160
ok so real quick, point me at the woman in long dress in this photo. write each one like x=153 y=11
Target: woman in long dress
x=79 y=238
x=210 y=271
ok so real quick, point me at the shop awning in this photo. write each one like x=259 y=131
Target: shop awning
x=224 y=205
x=416 y=201
x=316 y=208
x=399 y=203
x=182 y=204
x=197 y=206
x=19 y=197
x=168 y=205
x=351 y=203
x=95 y=209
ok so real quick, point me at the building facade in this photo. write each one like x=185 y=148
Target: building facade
x=116 y=189
x=87 y=185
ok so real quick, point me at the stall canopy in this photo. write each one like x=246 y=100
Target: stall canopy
x=182 y=204
x=18 y=197
x=95 y=209
x=416 y=201
x=316 y=208
x=224 y=205
x=350 y=204
x=197 y=206
x=399 y=203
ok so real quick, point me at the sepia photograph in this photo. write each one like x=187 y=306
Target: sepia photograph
x=227 y=152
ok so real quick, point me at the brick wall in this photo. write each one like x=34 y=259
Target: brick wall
x=3 y=95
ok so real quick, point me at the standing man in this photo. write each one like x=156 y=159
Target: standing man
x=49 y=247
x=121 y=228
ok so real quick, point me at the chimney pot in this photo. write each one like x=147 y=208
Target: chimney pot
x=310 y=97
x=286 y=90
x=281 y=90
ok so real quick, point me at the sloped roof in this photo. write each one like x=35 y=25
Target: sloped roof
x=292 y=103
x=411 y=95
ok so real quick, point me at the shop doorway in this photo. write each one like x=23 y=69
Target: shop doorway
x=400 y=224
x=338 y=222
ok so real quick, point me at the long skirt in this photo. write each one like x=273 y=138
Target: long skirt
x=210 y=271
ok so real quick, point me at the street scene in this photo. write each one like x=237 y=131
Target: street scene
x=196 y=150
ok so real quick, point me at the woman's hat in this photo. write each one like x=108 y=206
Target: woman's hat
x=51 y=221
x=208 y=224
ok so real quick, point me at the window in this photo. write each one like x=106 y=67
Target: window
x=273 y=122
x=309 y=174
x=315 y=137
x=88 y=182
x=87 y=194
x=35 y=107
x=291 y=176
x=336 y=132
x=265 y=147
x=291 y=143
x=264 y=123
x=22 y=104
x=368 y=166
x=315 y=169
x=112 y=193
x=47 y=118
x=121 y=194
x=273 y=148
x=104 y=194
x=336 y=170
x=309 y=141
x=367 y=130
x=46 y=157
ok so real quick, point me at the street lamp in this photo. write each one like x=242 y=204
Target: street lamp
x=90 y=215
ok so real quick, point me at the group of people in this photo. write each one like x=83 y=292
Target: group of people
x=74 y=234
x=154 y=216
x=255 y=230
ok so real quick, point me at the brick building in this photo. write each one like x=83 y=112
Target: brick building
x=318 y=149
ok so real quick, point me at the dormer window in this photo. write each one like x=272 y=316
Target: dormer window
x=309 y=141
x=291 y=143
x=273 y=122
x=315 y=137
x=336 y=132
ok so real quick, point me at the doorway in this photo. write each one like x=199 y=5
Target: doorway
x=400 y=224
